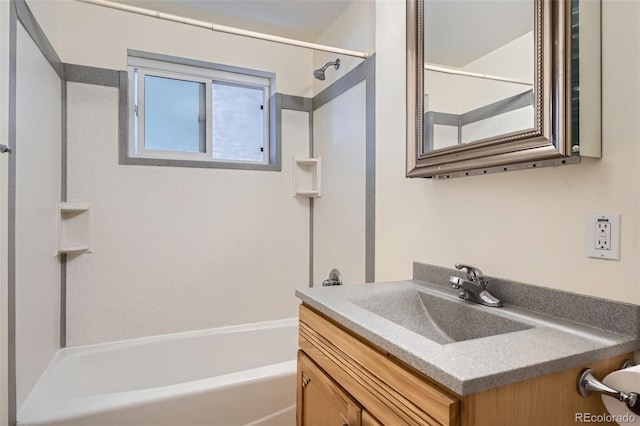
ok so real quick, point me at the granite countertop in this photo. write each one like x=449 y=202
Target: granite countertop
x=550 y=344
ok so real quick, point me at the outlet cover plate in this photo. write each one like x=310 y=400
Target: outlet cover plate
x=595 y=231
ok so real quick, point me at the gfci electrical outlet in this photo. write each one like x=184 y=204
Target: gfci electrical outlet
x=604 y=236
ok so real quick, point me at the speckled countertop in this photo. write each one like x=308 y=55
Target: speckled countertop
x=551 y=344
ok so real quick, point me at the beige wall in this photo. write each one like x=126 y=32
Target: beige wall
x=47 y=13
x=99 y=37
x=355 y=30
x=530 y=225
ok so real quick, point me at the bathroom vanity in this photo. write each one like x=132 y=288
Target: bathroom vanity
x=365 y=358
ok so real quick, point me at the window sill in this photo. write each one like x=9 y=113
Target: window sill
x=140 y=161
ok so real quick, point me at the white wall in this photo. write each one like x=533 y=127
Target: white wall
x=38 y=180
x=99 y=37
x=354 y=30
x=339 y=136
x=528 y=226
x=4 y=185
x=178 y=248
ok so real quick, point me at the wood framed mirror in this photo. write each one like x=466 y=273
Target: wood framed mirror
x=499 y=86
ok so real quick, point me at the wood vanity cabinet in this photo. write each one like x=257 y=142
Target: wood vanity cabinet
x=323 y=402
x=345 y=380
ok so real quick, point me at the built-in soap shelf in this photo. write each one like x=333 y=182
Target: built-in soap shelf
x=306 y=177
x=74 y=227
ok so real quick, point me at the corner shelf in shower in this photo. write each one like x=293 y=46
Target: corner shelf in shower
x=74 y=227
x=306 y=177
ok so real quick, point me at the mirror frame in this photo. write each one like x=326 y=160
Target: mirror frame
x=549 y=141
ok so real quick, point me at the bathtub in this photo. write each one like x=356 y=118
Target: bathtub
x=238 y=375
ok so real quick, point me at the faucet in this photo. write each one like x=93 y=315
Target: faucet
x=335 y=278
x=474 y=288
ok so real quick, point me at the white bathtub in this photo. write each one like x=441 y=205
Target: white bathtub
x=239 y=375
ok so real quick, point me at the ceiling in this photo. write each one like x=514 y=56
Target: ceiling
x=460 y=31
x=299 y=19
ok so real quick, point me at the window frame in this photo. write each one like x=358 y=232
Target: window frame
x=141 y=64
x=266 y=114
x=136 y=147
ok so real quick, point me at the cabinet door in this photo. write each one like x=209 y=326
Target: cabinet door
x=320 y=401
x=369 y=420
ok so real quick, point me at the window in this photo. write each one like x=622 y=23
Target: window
x=198 y=112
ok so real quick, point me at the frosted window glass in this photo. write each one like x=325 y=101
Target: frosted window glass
x=238 y=122
x=175 y=115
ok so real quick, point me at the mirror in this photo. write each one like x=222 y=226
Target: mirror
x=478 y=83
x=498 y=86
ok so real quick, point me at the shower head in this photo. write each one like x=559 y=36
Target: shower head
x=319 y=73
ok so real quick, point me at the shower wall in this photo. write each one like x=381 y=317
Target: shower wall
x=38 y=188
x=176 y=248
x=340 y=138
x=4 y=216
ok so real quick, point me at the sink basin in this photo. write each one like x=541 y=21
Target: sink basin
x=443 y=319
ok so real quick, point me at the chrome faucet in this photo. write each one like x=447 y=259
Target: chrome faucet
x=474 y=288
